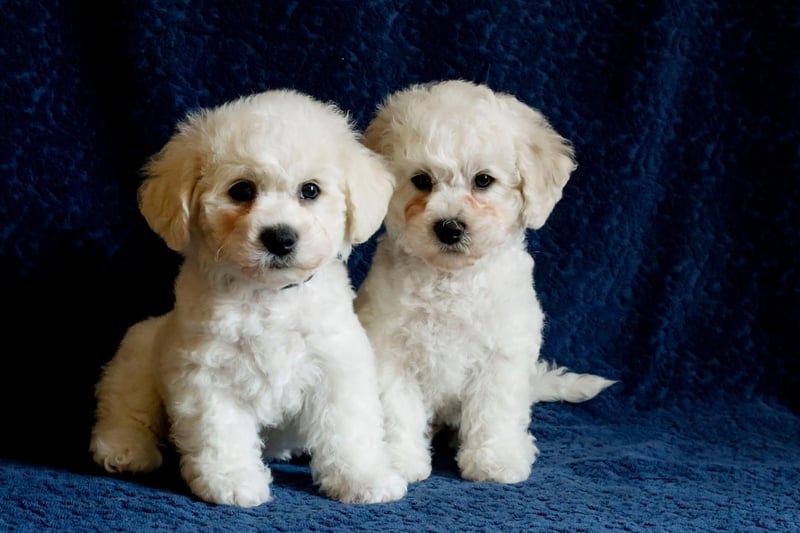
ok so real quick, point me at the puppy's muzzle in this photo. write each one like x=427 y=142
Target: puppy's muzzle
x=279 y=240
x=449 y=230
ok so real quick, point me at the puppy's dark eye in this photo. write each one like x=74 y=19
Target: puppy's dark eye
x=422 y=182
x=309 y=190
x=482 y=181
x=242 y=191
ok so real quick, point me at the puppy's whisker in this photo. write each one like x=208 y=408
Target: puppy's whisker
x=222 y=246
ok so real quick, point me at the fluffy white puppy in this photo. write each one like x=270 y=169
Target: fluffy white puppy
x=264 y=198
x=449 y=303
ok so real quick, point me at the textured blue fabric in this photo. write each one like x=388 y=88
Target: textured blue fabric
x=671 y=263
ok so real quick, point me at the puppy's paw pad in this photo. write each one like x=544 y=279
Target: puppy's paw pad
x=126 y=449
x=242 y=487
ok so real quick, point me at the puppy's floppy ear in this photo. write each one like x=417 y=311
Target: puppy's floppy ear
x=376 y=136
x=171 y=175
x=545 y=161
x=369 y=189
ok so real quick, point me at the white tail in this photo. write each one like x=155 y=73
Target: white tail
x=551 y=383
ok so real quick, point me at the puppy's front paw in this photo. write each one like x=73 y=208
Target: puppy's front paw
x=501 y=464
x=241 y=486
x=125 y=449
x=386 y=486
x=413 y=464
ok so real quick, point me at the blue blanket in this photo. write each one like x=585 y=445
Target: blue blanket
x=671 y=264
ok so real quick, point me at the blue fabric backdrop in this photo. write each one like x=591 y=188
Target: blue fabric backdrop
x=671 y=263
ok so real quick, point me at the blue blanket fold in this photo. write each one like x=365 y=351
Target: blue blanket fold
x=670 y=264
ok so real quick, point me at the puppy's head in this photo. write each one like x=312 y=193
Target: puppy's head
x=270 y=186
x=474 y=168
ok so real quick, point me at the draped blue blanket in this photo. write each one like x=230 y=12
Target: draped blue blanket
x=671 y=264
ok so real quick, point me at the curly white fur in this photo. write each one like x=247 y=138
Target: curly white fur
x=449 y=303
x=262 y=354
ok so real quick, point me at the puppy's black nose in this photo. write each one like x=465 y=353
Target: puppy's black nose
x=279 y=240
x=449 y=230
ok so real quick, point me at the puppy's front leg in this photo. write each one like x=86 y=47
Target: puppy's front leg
x=495 y=442
x=406 y=423
x=220 y=448
x=343 y=427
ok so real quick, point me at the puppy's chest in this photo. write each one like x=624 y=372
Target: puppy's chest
x=449 y=322
x=265 y=344
x=458 y=327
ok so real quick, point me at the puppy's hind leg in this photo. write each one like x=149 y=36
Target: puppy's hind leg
x=550 y=383
x=130 y=416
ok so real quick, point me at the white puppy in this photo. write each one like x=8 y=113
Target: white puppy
x=264 y=197
x=449 y=302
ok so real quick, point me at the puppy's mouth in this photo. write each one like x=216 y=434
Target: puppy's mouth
x=460 y=248
x=279 y=263
x=282 y=274
x=450 y=259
